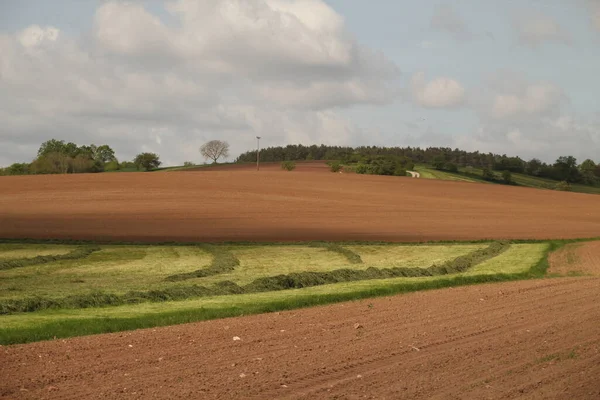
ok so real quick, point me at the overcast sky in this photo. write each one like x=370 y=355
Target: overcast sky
x=507 y=76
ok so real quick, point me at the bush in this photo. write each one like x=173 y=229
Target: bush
x=488 y=175
x=112 y=166
x=335 y=166
x=451 y=167
x=288 y=165
x=507 y=177
x=563 y=186
x=361 y=168
x=399 y=171
x=189 y=164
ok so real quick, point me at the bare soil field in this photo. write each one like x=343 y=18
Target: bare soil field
x=527 y=340
x=284 y=206
x=576 y=259
x=301 y=166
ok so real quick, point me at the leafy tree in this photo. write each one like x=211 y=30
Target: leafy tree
x=507 y=177
x=105 y=154
x=533 y=167
x=214 y=150
x=439 y=162
x=588 y=166
x=188 y=164
x=565 y=169
x=17 y=169
x=147 y=161
x=51 y=146
x=82 y=163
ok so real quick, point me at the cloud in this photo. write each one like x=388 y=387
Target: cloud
x=446 y=19
x=227 y=70
x=440 y=92
x=522 y=116
x=543 y=138
x=533 y=99
x=536 y=29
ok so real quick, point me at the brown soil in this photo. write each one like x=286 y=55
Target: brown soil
x=526 y=340
x=576 y=259
x=301 y=166
x=284 y=206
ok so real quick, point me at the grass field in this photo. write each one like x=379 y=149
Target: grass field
x=470 y=174
x=322 y=273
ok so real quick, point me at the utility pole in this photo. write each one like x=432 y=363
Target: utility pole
x=258 y=153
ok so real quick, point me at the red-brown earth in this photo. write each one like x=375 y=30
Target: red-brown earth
x=284 y=206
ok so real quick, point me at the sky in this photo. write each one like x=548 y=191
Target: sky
x=511 y=77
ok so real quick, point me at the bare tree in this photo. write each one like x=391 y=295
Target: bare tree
x=214 y=150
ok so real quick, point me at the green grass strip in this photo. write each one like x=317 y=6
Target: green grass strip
x=71 y=327
x=223 y=261
x=81 y=252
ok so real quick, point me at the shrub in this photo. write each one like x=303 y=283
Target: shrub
x=507 y=177
x=288 y=165
x=488 y=175
x=361 y=168
x=563 y=186
x=112 y=166
x=451 y=167
x=189 y=164
x=399 y=171
x=335 y=166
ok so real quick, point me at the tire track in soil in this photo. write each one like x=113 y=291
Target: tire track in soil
x=486 y=341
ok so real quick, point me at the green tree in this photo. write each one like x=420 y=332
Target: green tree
x=148 y=161
x=439 y=162
x=507 y=177
x=565 y=169
x=51 y=146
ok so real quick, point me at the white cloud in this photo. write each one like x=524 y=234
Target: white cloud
x=536 y=29
x=35 y=36
x=532 y=99
x=223 y=69
x=440 y=92
x=446 y=19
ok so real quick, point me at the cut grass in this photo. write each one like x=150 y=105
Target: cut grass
x=13 y=251
x=118 y=269
x=20 y=328
x=76 y=254
x=293 y=280
x=385 y=256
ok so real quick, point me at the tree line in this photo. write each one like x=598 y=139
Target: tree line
x=565 y=168
x=60 y=157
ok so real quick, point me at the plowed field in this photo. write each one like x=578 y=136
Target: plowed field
x=577 y=259
x=284 y=206
x=526 y=340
